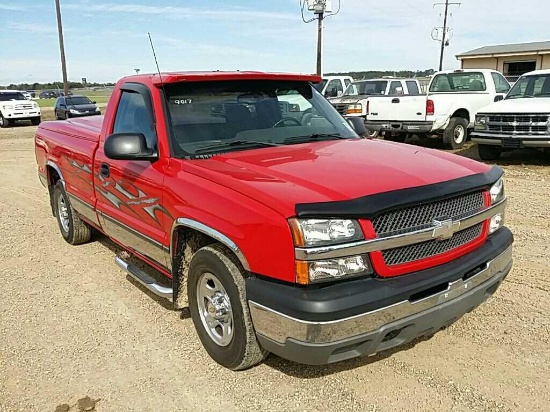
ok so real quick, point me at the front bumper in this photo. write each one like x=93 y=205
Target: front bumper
x=73 y=115
x=399 y=309
x=22 y=114
x=399 y=127
x=509 y=141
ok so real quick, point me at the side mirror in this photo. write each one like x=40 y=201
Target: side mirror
x=128 y=146
x=94 y=102
x=498 y=98
x=358 y=125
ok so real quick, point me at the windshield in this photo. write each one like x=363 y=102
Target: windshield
x=5 y=97
x=531 y=86
x=369 y=87
x=321 y=85
x=458 y=82
x=212 y=117
x=78 y=100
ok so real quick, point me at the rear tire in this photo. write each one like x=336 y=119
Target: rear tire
x=396 y=137
x=74 y=230
x=456 y=133
x=219 y=308
x=488 y=152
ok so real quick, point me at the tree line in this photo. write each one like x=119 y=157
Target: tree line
x=54 y=86
x=374 y=74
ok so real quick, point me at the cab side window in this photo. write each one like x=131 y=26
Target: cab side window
x=501 y=84
x=133 y=117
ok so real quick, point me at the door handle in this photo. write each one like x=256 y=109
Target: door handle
x=395 y=100
x=105 y=170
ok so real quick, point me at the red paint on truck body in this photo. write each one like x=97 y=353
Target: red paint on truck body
x=247 y=195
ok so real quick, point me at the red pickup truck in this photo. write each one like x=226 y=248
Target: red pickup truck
x=279 y=227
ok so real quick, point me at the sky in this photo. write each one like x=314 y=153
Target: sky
x=107 y=39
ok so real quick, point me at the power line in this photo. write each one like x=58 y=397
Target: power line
x=445 y=31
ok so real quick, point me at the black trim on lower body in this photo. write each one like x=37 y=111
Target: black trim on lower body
x=389 y=336
x=370 y=206
x=354 y=297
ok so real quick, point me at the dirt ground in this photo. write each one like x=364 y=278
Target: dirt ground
x=75 y=334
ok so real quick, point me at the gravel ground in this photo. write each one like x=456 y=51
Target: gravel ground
x=75 y=334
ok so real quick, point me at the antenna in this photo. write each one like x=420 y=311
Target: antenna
x=154 y=55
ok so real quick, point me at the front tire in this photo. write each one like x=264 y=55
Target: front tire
x=456 y=133
x=74 y=230
x=217 y=302
x=488 y=152
x=4 y=122
x=35 y=121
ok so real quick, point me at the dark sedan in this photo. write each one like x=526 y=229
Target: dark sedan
x=75 y=106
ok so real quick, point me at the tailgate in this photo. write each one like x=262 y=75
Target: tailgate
x=397 y=108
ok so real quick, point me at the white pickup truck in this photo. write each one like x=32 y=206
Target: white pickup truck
x=14 y=106
x=521 y=120
x=333 y=86
x=448 y=109
x=354 y=102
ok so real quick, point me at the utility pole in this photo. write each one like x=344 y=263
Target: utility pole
x=320 y=44
x=62 y=48
x=444 y=40
x=322 y=9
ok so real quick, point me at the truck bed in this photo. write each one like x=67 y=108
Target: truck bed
x=87 y=128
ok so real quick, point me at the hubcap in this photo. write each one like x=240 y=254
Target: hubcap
x=63 y=213
x=215 y=309
x=459 y=133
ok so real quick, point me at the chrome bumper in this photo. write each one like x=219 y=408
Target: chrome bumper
x=279 y=328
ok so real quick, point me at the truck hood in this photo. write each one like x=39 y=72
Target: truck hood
x=281 y=177
x=525 y=105
x=349 y=99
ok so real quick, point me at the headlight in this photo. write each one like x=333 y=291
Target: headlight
x=97 y=109
x=332 y=269
x=480 y=123
x=497 y=191
x=320 y=232
x=354 y=109
x=497 y=195
x=7 y=107
x=73 y=111
x=34 y=106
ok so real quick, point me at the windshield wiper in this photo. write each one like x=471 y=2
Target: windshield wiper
x=233 y=143
x=312 y=137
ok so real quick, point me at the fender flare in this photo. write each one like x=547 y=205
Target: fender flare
x=207 y=230
x=57 y=169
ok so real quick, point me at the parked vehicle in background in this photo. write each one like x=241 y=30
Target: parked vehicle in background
x=299 y=239
x=14 y=107
x=27 y=95
x=354 y=102
x=448 y=110
x=47 y=94
x=521 y=120
x=75 y=106
x=333 y=86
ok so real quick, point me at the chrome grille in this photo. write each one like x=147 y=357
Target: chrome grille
x=430 y=248
x=341 y=108
x=23 y=106
x=422 y=216
x=520 y=124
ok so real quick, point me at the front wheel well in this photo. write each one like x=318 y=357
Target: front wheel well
x=186 y=241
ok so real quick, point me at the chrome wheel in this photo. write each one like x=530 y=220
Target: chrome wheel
x=63 y=213
x=459 y=134
x=215 y=309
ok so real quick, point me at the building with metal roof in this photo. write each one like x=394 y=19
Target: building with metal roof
x=512 y=60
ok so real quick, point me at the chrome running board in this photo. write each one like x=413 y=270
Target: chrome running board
x=144 y=279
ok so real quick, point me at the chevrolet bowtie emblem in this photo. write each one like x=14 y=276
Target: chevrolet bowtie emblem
x=444 y=229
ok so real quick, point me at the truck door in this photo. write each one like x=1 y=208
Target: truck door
x=129 y=192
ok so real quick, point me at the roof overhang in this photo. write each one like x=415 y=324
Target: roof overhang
x=490 y=55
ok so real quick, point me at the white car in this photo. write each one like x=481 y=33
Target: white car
x=521 y=120
x=448 y=110
x=14 y=107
